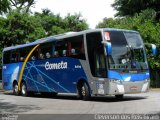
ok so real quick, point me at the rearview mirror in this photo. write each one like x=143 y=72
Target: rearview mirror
x=153 y=47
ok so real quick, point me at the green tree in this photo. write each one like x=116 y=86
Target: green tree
x=55 y=24
x=131 y=7
x=8 y=5
x=52 y=24
x=4 y=6
x=22 y=4
x=75 y=23
x=18 y=28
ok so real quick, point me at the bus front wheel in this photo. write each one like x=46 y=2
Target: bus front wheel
x=84 y=92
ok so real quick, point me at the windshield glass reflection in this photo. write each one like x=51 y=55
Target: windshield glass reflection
x=127 y=51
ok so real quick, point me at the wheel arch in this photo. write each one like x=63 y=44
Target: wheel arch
x=14 y=82
x=80 y=83
x=23 y=81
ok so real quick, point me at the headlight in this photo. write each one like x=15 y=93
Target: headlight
x=116 y=81
x=146 y=80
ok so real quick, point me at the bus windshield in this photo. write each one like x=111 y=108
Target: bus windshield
x=127 y=51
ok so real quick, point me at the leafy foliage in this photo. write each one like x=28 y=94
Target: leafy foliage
x=4 y=6
x=22 y=4
x=131 y=7
x=19 y=28
x=54 y=24
x=7 y=5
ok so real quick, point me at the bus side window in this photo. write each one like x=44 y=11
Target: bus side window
x=23 y=52
x=76 y=47
x=48 y=55
x=60 y=48
x=96 y=56
x=73 y=52
x=56 y=54
x=14 y=56
x=6 y=57
x=41 y=56
x=45 y=51
x=33 y=56
x=64 y=52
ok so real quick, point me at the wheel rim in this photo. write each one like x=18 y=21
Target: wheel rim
x=83 y=91
x=16 y=88
x=23 y=89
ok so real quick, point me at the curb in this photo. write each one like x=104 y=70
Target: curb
x=155 y=89
x=1 y=91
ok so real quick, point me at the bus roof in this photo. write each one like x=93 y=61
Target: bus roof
x=61 y=36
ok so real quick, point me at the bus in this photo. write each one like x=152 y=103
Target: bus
x=104 y=61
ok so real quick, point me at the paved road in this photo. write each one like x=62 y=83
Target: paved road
x=62 y=104
x=146 y=103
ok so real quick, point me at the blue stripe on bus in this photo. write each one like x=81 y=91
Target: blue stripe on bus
x=128 y=77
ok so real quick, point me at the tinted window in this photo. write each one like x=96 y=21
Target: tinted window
x=6 y=57
x=60 y=49
x=45 y=51
x=127 y=51
x=96 y=55
x=70 y=47
x=119 y=47
x=15 y=56
x=23 y=52
x=76 y=47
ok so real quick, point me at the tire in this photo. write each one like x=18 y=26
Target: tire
x=79 y=93
x=119 y=96
x=15 y=89
x=24 y=91
x=84 y=92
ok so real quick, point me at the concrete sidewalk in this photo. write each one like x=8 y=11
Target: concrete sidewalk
x=1 y=87
x=155 y=89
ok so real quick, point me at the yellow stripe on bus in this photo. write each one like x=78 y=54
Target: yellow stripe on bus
x=24 y=64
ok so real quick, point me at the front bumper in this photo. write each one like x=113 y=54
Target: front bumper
x=123 y=87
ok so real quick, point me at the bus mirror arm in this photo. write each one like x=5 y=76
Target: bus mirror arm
x=108 y=47
x=154 y=48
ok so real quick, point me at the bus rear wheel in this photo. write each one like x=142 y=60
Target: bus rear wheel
x=84 y=92
x=24 y=91
x=15 y=89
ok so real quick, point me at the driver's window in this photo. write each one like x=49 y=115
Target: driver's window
x=96 y=55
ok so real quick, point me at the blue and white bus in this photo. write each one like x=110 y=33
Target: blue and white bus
x=90 y=63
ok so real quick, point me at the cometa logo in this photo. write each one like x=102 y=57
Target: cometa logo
x=51 y=66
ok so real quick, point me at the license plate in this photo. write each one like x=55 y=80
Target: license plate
x=133 y=88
